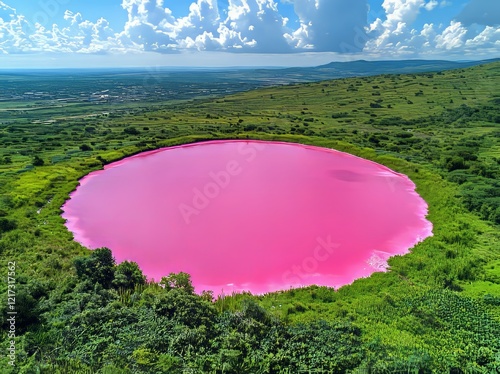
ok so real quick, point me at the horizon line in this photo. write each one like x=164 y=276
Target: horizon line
x=229 y=67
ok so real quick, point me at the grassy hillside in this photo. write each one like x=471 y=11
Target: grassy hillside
x=436 y=310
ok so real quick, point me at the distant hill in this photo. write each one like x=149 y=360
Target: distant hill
x=359 y=68
x=403 y=66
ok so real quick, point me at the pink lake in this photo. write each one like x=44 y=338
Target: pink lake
x=249 y=215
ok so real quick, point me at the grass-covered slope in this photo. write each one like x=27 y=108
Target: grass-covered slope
x=436 y=310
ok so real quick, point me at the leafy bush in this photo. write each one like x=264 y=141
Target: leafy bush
x=98 y=267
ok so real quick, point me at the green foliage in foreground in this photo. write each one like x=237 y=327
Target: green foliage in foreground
x=92 y=325
x=436 y=311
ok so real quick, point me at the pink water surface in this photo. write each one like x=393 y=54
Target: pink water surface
x=249 y=215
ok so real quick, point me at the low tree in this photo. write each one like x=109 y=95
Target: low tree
x=128 y=275
x=181 y=281
x=37 y=161
x=98 y=267
x=7 y=225
x=85 y=147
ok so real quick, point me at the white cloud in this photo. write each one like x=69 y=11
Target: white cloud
x=488 y=38
x=258 y=23
x=250 y=25
x=20 y=36
x=203 y=18
x=405 y=11
x=395 y=35
x=74 y=18
x=149 y=26
x=452 y=37
x=391 y=33
x=13 y=38
x=330 y=25
x=147 y=11
x=431 y=5
x=254 y=25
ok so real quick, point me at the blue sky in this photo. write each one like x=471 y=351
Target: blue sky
x=71 y=33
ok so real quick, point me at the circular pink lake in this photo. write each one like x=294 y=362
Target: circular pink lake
x=249 y=215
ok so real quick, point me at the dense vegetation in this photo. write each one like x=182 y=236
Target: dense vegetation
x=436 y=310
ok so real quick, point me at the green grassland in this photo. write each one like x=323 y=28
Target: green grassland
x=436 y=310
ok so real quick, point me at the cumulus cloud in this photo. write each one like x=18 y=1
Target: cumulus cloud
x=452 y=37
x=17 y=35
x=396 y=28
x=482 y=12
x=73 y=18
x=330 y=25
x=149 y=26
x=257 y=23
x=254 y=25
x=13 y=38
x=488 y=38
x=431 y=5
x=396 y=35
x=250 y=25
x=75 y=36
x=148 y=11
x=203 y=18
